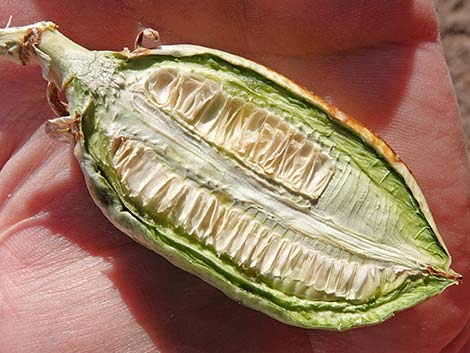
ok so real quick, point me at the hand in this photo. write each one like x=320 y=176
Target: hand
x=69 y=281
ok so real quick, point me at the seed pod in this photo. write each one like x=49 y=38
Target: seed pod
x=237 y=175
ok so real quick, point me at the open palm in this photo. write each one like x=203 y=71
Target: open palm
x=71 y=282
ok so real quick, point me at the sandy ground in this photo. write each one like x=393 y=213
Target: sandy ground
x=454 y=21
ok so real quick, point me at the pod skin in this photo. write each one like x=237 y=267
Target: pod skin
x=239 y=176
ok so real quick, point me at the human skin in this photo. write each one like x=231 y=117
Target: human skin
x=71 y=282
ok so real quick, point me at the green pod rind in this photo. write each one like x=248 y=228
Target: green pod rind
x=323 y=228
x=197 y=260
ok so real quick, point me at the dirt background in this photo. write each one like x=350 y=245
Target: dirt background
x=454 y=23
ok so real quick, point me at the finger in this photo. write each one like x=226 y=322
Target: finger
x=297 y=27
x=269 y=27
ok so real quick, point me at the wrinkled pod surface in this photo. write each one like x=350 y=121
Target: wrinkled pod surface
x=239 y=176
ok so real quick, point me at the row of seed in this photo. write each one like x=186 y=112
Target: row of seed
x=259 y=139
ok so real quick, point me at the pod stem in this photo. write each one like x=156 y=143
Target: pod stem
x=41 y=43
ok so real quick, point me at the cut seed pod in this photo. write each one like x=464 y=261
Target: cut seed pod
x=237 y=175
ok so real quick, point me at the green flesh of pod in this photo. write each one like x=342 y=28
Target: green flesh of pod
x=237 y=175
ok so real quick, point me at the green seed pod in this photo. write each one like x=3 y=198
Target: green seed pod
x=239 y=176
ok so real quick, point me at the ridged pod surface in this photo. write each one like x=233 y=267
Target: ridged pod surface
x=239 y=176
